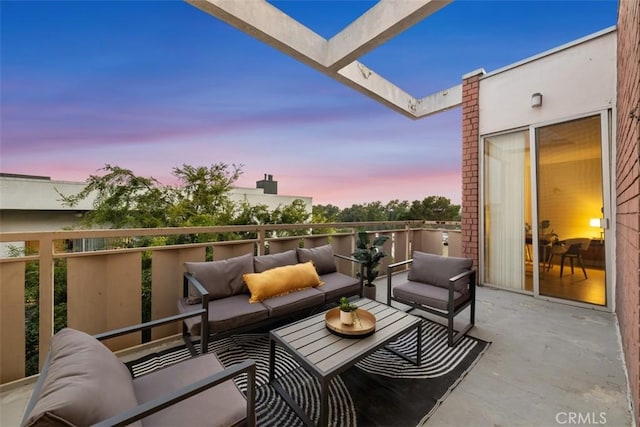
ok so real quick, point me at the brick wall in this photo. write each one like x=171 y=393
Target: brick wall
x=470 y=166
x=628 y=192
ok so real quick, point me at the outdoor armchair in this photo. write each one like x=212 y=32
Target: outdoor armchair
x=439 y=285
x=83 y=383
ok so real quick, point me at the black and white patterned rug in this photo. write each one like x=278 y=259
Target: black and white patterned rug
x=381 y=390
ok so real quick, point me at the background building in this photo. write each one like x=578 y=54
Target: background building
x=32 y=203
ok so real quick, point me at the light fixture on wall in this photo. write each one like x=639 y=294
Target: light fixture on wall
x=597 y=223
x=536 y=100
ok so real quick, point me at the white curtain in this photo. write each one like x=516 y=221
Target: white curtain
x=504 y=220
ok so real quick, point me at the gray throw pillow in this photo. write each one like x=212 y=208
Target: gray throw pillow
x=220 y=278
x=437 y=270
x=84 y=384
x=263 y=263
x=322 y=258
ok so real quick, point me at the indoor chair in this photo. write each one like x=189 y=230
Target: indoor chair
x=574 y=248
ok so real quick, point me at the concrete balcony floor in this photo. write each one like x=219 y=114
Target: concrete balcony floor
x=548 y=364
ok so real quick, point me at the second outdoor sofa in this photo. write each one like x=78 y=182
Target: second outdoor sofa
x=246 y=292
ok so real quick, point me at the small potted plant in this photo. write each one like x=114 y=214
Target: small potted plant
x=348 y=312
x=369 y=254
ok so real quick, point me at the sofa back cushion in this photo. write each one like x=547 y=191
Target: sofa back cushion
x=437 y=270
x=85 y=383
x=281 y=281
x=221 y=278
x=266 y=262
x=322 y=258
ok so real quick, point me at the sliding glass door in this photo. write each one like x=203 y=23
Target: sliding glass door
x=544 y=226
x=571 y=206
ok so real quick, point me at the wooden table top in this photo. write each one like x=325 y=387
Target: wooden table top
x=327 y=353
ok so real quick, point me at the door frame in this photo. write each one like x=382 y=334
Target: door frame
x=607 y=134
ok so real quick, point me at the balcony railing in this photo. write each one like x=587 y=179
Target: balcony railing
x=104 y=286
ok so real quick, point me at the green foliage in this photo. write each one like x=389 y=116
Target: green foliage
x=32 y=309
x=202 y=196
x=374 y=211
x=293 y=213
x=369 y=254
x=325 y=213
x=434 y=208
x=347 y=306
x=123 y=200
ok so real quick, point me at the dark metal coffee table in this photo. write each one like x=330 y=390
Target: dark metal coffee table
x=325 y=355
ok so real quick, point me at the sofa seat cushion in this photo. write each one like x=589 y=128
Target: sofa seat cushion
x=322 y=258
x=337 y=285
x=222 y=405
x=267 y=262
x=85 y=383
x=428 y=295
x=225 y=314
x=290 y=303
x=281 y=280
x=437 y=270
x=220 y=278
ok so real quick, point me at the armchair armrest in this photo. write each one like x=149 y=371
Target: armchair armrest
x=348 y=258
x=189 y=279
x=390 y=268
x=148 y=325
x=148 y=408
x=463 y=275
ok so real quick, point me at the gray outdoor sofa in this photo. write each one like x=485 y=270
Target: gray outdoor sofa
x=219 y=287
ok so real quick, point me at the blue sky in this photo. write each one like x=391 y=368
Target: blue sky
x=151 y=85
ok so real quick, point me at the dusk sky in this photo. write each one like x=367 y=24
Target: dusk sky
x=152 y=85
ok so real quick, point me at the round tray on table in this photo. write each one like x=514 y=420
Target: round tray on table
x=364 y=325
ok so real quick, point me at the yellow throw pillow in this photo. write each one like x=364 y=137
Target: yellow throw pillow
x=281 y=280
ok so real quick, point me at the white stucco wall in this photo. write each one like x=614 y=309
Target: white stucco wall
x=39 y=194
x=256 y=196
x=574 y=79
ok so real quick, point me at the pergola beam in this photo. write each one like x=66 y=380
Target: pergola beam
x=337 y=57
x=385 y=20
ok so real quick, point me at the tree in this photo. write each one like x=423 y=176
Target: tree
x=325 y=213
x=434 y=208
x=397 y=210
x=202 y=198
x=373 y=211
x=123 y=200
x=293 y=213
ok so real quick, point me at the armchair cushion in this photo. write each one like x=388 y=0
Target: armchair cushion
x=266 y=262
x=281 y=280
x=437 y=270
x=85 y=383
x=222 y=405
x=322 y=258
x=220 y=278
x=430 y=296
